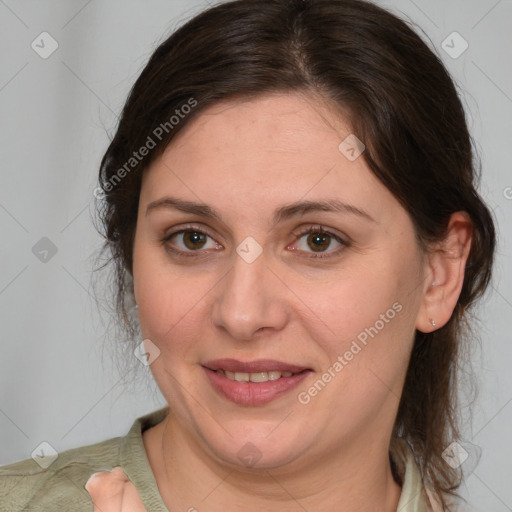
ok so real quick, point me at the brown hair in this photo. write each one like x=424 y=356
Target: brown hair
x=401 y=102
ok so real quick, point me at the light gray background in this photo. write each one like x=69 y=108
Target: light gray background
x=55 y=116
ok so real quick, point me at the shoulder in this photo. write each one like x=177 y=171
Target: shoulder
x=47 y=482
x=59 y=483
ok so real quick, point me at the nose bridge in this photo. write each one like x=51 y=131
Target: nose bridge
x=249 y=299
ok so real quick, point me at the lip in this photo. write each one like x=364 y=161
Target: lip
x=253 y=393
x=259 y=365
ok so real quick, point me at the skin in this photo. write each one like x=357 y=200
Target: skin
x=245 y=159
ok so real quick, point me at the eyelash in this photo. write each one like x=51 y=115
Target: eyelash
x=320 y=230
x=312 y=229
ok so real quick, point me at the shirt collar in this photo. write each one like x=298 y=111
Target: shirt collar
x=413 y=497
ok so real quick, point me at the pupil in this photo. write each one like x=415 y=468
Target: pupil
x=194 y=240
x=318 y=241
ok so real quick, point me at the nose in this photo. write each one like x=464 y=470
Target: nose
x=250 y=299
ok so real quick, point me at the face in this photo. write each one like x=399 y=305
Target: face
x=264 y=252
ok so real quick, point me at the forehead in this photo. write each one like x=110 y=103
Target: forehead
x=268 y=126
x=262 y=152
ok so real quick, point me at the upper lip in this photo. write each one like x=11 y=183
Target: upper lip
x=259 y=365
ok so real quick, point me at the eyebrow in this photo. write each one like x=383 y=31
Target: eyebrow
x=283 y=213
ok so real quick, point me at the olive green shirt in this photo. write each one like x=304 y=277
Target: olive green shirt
x=26 y=486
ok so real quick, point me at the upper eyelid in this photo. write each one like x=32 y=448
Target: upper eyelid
x=297 y=232
x=313 y=228
x=174 y=231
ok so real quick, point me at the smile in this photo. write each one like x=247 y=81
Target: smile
x=253 y=383
x=255 y=377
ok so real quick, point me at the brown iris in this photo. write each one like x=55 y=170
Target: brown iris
x=318 y=241
x=194 y=240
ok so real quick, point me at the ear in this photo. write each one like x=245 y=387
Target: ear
x=446 y=264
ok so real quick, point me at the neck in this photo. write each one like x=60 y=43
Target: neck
x=189 y=479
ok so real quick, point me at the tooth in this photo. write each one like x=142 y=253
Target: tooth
x=258 y=377
x=254 y=377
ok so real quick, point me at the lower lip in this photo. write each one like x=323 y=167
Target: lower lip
x=253 y=393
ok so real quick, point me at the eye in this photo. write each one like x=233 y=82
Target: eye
x=189 y=240
x=318 y=240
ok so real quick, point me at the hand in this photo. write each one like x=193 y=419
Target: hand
x=113 y=492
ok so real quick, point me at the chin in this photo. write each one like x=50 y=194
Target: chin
x=254 y=449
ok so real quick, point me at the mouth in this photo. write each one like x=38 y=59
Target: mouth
x=256 y=376
x=257 y=366
x=253 y=383
x=261 y=370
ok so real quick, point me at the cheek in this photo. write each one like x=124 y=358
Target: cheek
x=367 y=317
x=348 y=304
x=172 y=302
x=167 y=306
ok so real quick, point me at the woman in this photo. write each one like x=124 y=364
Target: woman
x=290 y=201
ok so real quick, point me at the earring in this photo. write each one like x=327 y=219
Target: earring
x=133 y=313
x=433 y=322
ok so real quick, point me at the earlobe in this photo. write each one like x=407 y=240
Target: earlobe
x=447 y=263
